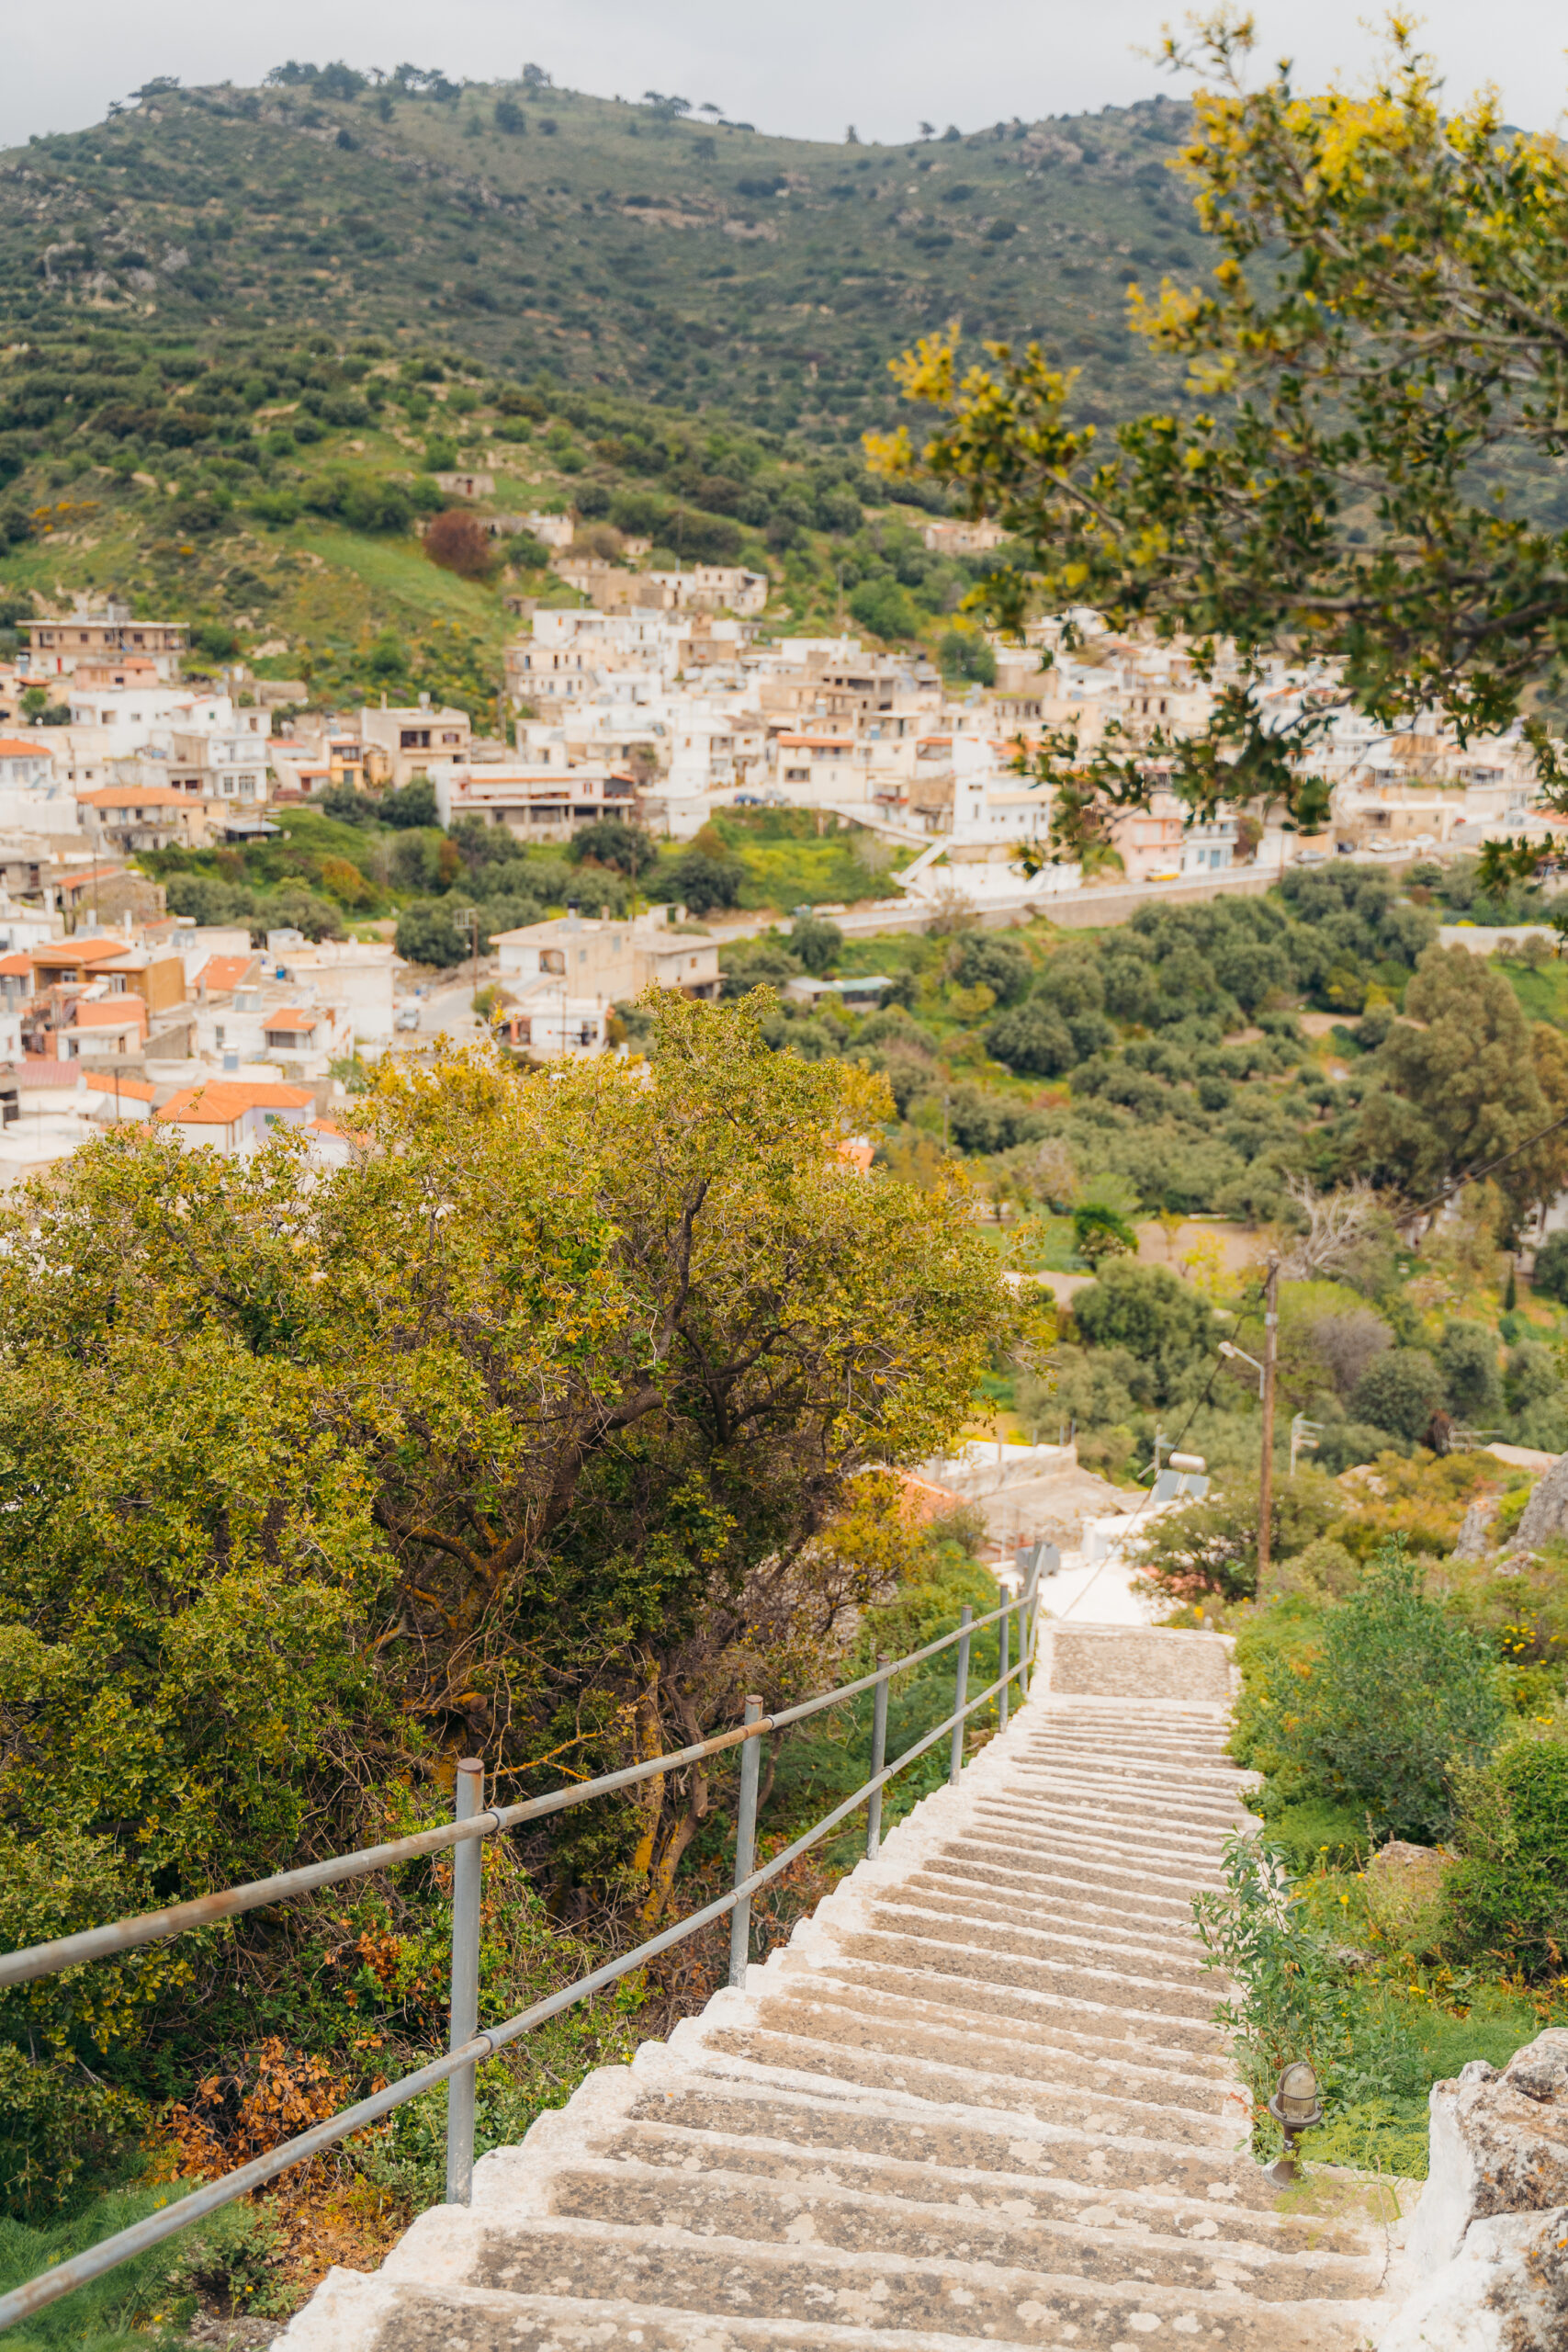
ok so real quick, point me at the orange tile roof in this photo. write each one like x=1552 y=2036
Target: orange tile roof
x=136 y=1090
x=13 y=748
x=17 y=963
x=224 y=971
x=125 y=796
x=62 y=952
x=218 y=1102
x=291 y=1017
x=107 y=1012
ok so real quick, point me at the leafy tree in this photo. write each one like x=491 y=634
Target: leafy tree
x=1466 y=1087
x=525 y=1428
x=1509 y=1889
x=817 y=942
x=207 y=900
x=1033 y=1039
x=458 y=542
x=986 y=960
x=1158 y=1318
x=1365 y=479
x=1077 y=984
x=1467 y=1360
x=1400 y=1391
x=1400 y=1698
x=413 y=804
x=763 y=963
x=883 y=606
x=1550 y=1279
x=1101 y=1233
x=427 y=934
x=965 y=656
x=702 y=883
x=611 y=841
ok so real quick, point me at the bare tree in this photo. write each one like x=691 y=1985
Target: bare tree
x=1336 y=1224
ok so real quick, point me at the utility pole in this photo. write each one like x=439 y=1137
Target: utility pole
x=1266 y=1469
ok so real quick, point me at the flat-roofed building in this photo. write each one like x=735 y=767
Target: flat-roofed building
x=101 y=638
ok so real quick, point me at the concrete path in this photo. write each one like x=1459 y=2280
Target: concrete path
x=977 y=2099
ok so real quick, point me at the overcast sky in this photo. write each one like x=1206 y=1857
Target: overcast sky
x=803 y=67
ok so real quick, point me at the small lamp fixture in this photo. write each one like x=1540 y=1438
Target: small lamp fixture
x=1295 y=2107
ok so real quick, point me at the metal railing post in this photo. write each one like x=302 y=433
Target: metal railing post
x=1003 y=1651
x=472 y=1822
x=745 y=1846
x=962 y=1689
x=468 y=1874
x=878 y=1758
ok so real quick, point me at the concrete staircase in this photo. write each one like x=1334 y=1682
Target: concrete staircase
x=977 y=2099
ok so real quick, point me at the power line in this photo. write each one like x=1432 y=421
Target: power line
x=1474 y=1175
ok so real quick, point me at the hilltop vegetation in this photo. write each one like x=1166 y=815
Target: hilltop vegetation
x=246 y=329
x=275 y=497
x=694 y=262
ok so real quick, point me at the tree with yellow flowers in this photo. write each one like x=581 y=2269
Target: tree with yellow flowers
x=1365 y=481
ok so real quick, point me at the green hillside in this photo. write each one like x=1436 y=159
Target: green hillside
x=273 y=495
x=242 y=331
x=690 y=262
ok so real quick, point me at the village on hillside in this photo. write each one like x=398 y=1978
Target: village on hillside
x=658 y=702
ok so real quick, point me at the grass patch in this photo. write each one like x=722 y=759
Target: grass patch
x=1542 y=990
x=1396 y=2040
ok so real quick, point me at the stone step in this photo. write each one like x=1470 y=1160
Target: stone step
x=1036 y=1812
x=993 y=1925
x=1195 y=1784
x=959 y=2139
x=803 y=2051
x=958 y=2296
x=972 y=1859
x=1051 y=1725
x=1099 y=2006
x=1097 y=2033
x=1162 y=1814
x=755 y=2147
x=935 y=1941
x=900 y=2028
x=1160 y=1842
x=1097 y=2241
x=1015 y=1895
x=1212 y=1769
x=352 y=2312
x=1068 y=1844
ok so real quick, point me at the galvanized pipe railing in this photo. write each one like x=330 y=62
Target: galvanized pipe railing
x=469 y=2046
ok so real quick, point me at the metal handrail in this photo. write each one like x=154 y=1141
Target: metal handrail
x=229 y=1903
x=470 y=2048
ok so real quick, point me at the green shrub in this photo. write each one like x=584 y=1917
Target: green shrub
x=1398 y=1697
x=427 y=934
x=1210 y=1550
x=1509 y=1889
x=1550 y=1279
x=1399 y=1391
x=1316 y=1835
x=1033 y=1040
